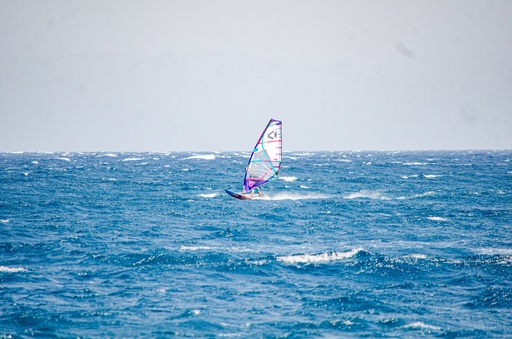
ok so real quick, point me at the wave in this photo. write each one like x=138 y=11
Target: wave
x=195 y=248
x=321 y=258
x=64 y=159
x=377 y=195
x=426 y=194
x=494 y=251
x=288 y=179
x=292 y=196
x=208 y=195
x=418 y=325
x=303 y=154
x=111 y=155
x=132 y=159
x=417 y=256
x=5 y=221
x=202 y=157
x=409 y=176
x=431 y=176
x=415 y=163
x=437 y=219
x=216 y=249
x=12 y=269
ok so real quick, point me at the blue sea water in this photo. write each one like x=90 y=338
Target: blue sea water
x=344 y=244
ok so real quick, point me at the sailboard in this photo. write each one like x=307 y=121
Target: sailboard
x=265 y=160
x=238 y=195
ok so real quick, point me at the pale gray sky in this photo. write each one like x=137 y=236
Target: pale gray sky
x=124 y=75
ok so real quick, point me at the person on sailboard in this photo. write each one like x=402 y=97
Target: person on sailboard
x=258 y=190
x=251 y=192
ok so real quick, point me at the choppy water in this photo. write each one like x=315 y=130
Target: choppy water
x=351 y=244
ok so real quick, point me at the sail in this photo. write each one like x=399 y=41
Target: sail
x=265 y=160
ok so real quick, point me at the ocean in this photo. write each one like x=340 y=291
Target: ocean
x=342 y=245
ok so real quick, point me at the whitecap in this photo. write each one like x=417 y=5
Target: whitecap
x=195 y=248
x=64 y=159
x=261 y=262
x=209 y=195
x=415 y=163
x=290 y=157
x=202 y=156
x=292 y=196
x=431 y=176
x=132 y=159
x=494 y=251
x=418 y=325
x=417 y=256
x=12 y=269
x=409 y=176
x=422 y=195
x=426 y=194
x=437 y=219
x=367 y=194
x=288 y=179
x=304 y=154
x=321 y=258
x=4 y=221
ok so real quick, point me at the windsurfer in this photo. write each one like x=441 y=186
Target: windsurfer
x=251 y=192
x=258 y=190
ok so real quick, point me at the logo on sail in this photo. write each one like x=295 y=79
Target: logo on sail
x=273 y=134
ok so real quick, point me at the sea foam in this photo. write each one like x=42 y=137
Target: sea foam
x=288 y=179
x=367 y=195
x=418 y=325
x=208 y=195
x=202 y=157
x=321 y=258
x=437 y=219
x=6 y=269
x=292 y=196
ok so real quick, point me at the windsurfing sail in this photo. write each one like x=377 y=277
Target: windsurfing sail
x=265 y=160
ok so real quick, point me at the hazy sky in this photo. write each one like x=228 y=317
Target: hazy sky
x=208 y=75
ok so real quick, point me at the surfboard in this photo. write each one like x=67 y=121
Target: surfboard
x=238 y=195
x=265 y=161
